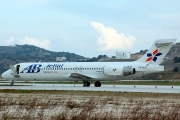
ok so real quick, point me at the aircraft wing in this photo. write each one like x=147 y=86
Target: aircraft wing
x=80 y=76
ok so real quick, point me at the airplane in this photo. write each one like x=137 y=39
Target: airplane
x=92 y=71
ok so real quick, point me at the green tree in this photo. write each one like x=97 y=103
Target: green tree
x=176 y=59
x=176 y=69
x=104 y=56
x=99 y=57
x=113 y=57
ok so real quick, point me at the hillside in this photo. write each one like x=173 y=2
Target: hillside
x=169 y=62
x=174 y=51
x=11 y=55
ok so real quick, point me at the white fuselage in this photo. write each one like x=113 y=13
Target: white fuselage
x=91 y=71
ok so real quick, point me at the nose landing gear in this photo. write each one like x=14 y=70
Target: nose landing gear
x=12 y=82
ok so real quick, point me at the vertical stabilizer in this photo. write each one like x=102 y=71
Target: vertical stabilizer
x=157 y=52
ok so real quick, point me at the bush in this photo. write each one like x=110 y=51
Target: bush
x=176 y=69
x=176 y=59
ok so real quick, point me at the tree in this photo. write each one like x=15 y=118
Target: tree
x=113 y=57
x=176 y=69
x=176 y=59
x=104 y=56
x=99 y=57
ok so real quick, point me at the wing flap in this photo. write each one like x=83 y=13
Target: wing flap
x=80 y=76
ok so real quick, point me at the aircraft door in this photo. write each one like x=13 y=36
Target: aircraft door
x=17 y=69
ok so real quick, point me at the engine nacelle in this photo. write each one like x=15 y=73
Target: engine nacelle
x=119 y=71
x=128 y=70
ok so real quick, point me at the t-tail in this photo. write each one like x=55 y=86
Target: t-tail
x=157 y=52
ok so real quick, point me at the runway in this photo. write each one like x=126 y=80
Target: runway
x=117 y=88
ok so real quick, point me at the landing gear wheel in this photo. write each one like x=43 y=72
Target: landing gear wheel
x=97 y=84
x=86 y=84
x=12 y=83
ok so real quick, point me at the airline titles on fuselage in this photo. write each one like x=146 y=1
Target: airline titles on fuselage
x=36 y=68
x=53 y=68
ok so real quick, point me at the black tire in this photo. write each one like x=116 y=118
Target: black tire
x=97 y=84
x=86 y=84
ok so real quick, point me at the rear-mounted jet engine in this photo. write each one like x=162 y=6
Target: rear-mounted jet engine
x=119 y=71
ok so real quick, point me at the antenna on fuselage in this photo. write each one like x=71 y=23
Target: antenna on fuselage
x=39 y=61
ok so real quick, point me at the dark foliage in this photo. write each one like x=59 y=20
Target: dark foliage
x=176 y=59
x=176 y=69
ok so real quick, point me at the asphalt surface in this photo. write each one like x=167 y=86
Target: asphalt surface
x=120 y=88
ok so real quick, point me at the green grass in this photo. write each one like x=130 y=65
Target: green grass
x=94 y=93
x=175 y=83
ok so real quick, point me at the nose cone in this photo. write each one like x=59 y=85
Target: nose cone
x=7 y=75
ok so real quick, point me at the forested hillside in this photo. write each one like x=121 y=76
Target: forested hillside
x=10 y=55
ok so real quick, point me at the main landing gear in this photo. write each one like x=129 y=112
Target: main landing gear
x=97 y=84
x=87 y=84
